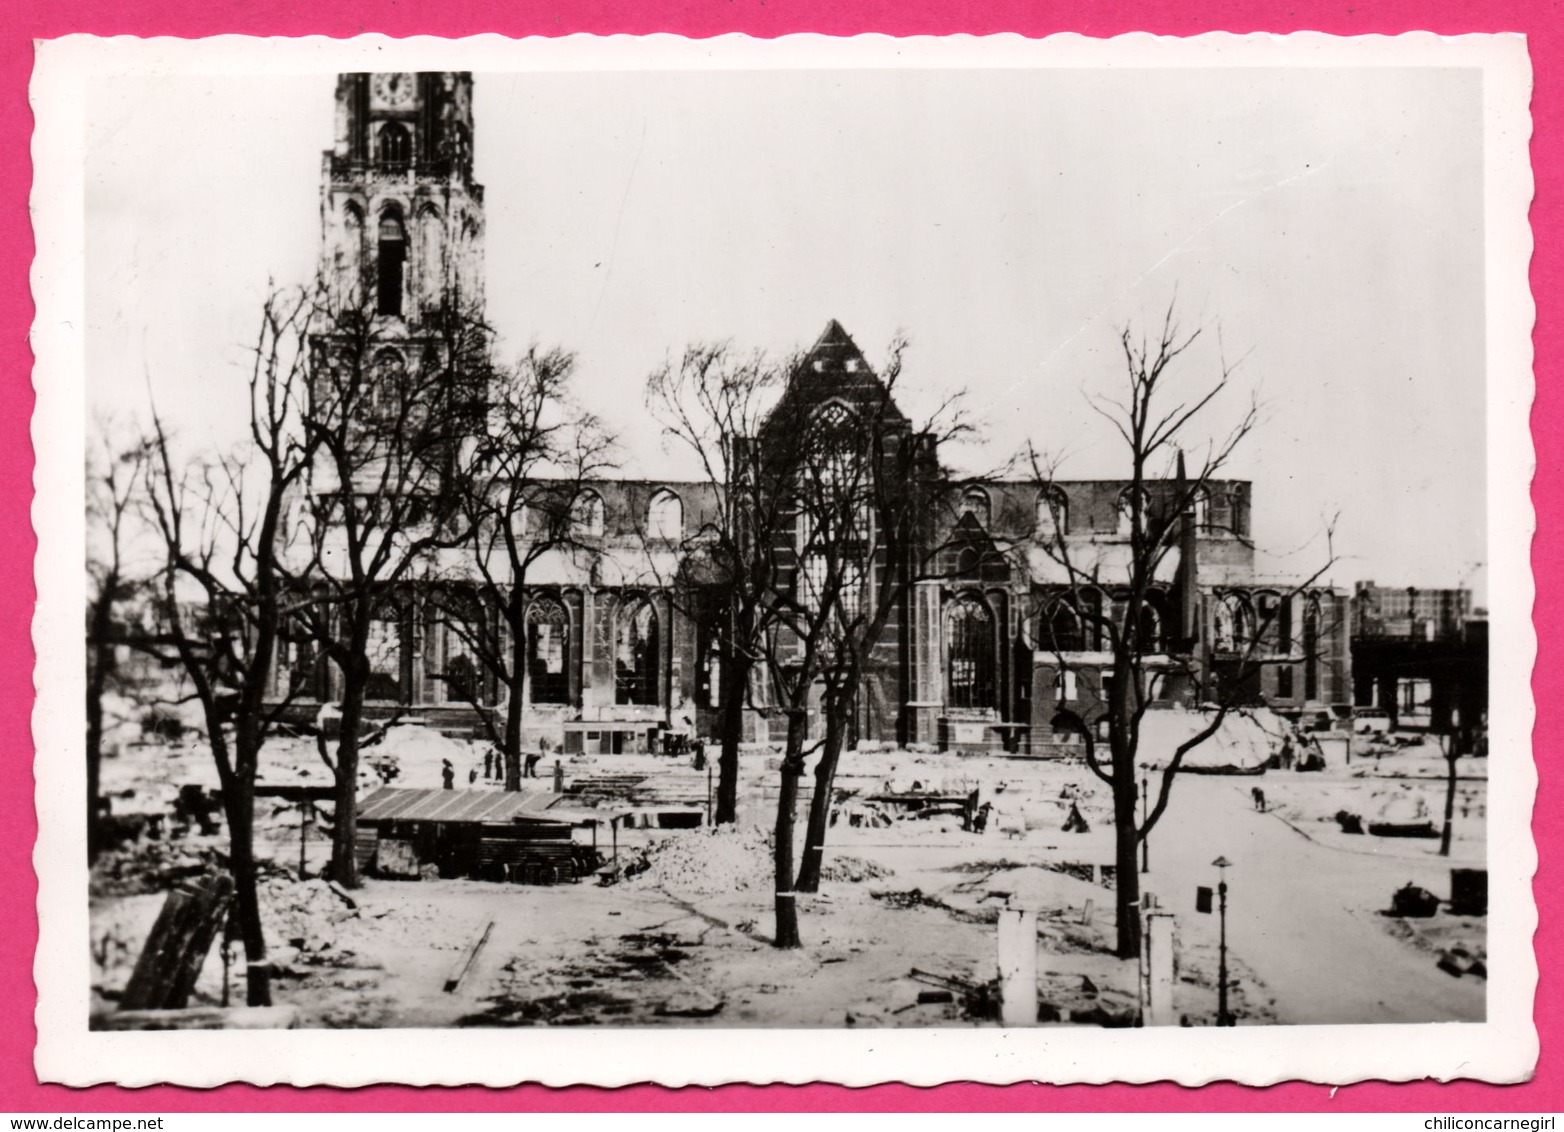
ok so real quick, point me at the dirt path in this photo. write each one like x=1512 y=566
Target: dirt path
x=1304 y=916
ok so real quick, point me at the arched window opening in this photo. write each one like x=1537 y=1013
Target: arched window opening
x=665 y=517
x=970 y=632
x=1234 y=624
x=1062 y=629
x=586 y=517
x=383 y=651
x=833 y=518
x=1127 y=508
x=396 y=146
x=1221 y=514
x=636 y=655
x=833 y=472
x=1202 y=508
x=974 y=502
x=548 y=652
x=392 y=260
x=1269 y=626
x=1148 y=634
x=459 y=618
x=1052 y=514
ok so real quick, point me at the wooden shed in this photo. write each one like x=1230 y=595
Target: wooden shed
x=482 y=834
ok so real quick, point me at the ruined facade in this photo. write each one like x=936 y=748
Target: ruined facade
x=975 y=657
x=1420 y=656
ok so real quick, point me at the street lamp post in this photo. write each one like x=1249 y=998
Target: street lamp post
x=1223 y=1018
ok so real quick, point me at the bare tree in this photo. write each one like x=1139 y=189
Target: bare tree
x=870 y=484
x=519 y=487
x=114 y=482
x=714 y=403
x=1085 y=618
x=223 y=595
x=387 y=417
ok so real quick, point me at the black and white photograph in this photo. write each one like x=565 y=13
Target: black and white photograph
x=694 y=552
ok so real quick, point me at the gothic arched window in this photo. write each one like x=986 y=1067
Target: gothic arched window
x=1152 y=622
x=1127 y=501
x=548 y=652
x=1234 y=624
x=383 y=651
x=392 y=259
x=1061 y=629
x=396 y=145
x=1221 y=517
x=969 y=628
x=1053 y=514
x=458 y=617
x=665 y=517
x=636 y=655
x=586 y=517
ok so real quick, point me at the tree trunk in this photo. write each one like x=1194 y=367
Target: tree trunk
x=1452 y=753
x=1126 y=844
x=513 y=705
x=99 y=655
x=344 y=837
x=94 y=757
x=820 y=805
x=787 y=803
x=735 y=678
x=240 y=807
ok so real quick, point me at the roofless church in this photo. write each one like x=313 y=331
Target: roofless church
x=614 y=662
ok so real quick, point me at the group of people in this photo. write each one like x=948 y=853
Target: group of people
x=493 y=768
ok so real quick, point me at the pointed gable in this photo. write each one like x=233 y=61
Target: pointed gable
x=834 y=368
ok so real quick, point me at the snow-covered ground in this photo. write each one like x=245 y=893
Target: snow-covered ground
x=687 y=942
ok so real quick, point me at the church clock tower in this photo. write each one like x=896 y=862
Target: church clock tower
x=401 y=217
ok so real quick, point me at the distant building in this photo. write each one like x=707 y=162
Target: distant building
x=613 y=659
x=1421 y=656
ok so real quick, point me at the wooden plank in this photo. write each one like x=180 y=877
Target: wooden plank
x=467 y=958
x=171 y=960
x=341 y=894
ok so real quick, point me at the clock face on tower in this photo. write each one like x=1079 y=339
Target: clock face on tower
x=392 y=89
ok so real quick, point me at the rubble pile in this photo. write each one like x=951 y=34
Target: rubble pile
x=852 y=869
x=306 y=916
x=709 y=862
x=153 y=866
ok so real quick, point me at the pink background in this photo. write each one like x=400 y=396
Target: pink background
x=22 y=21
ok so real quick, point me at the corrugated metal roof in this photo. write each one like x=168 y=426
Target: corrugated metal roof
x=395 y=803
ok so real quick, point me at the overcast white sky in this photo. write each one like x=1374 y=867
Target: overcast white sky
x=1329 y=223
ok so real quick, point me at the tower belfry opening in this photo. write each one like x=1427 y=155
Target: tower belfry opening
x=392 y=258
